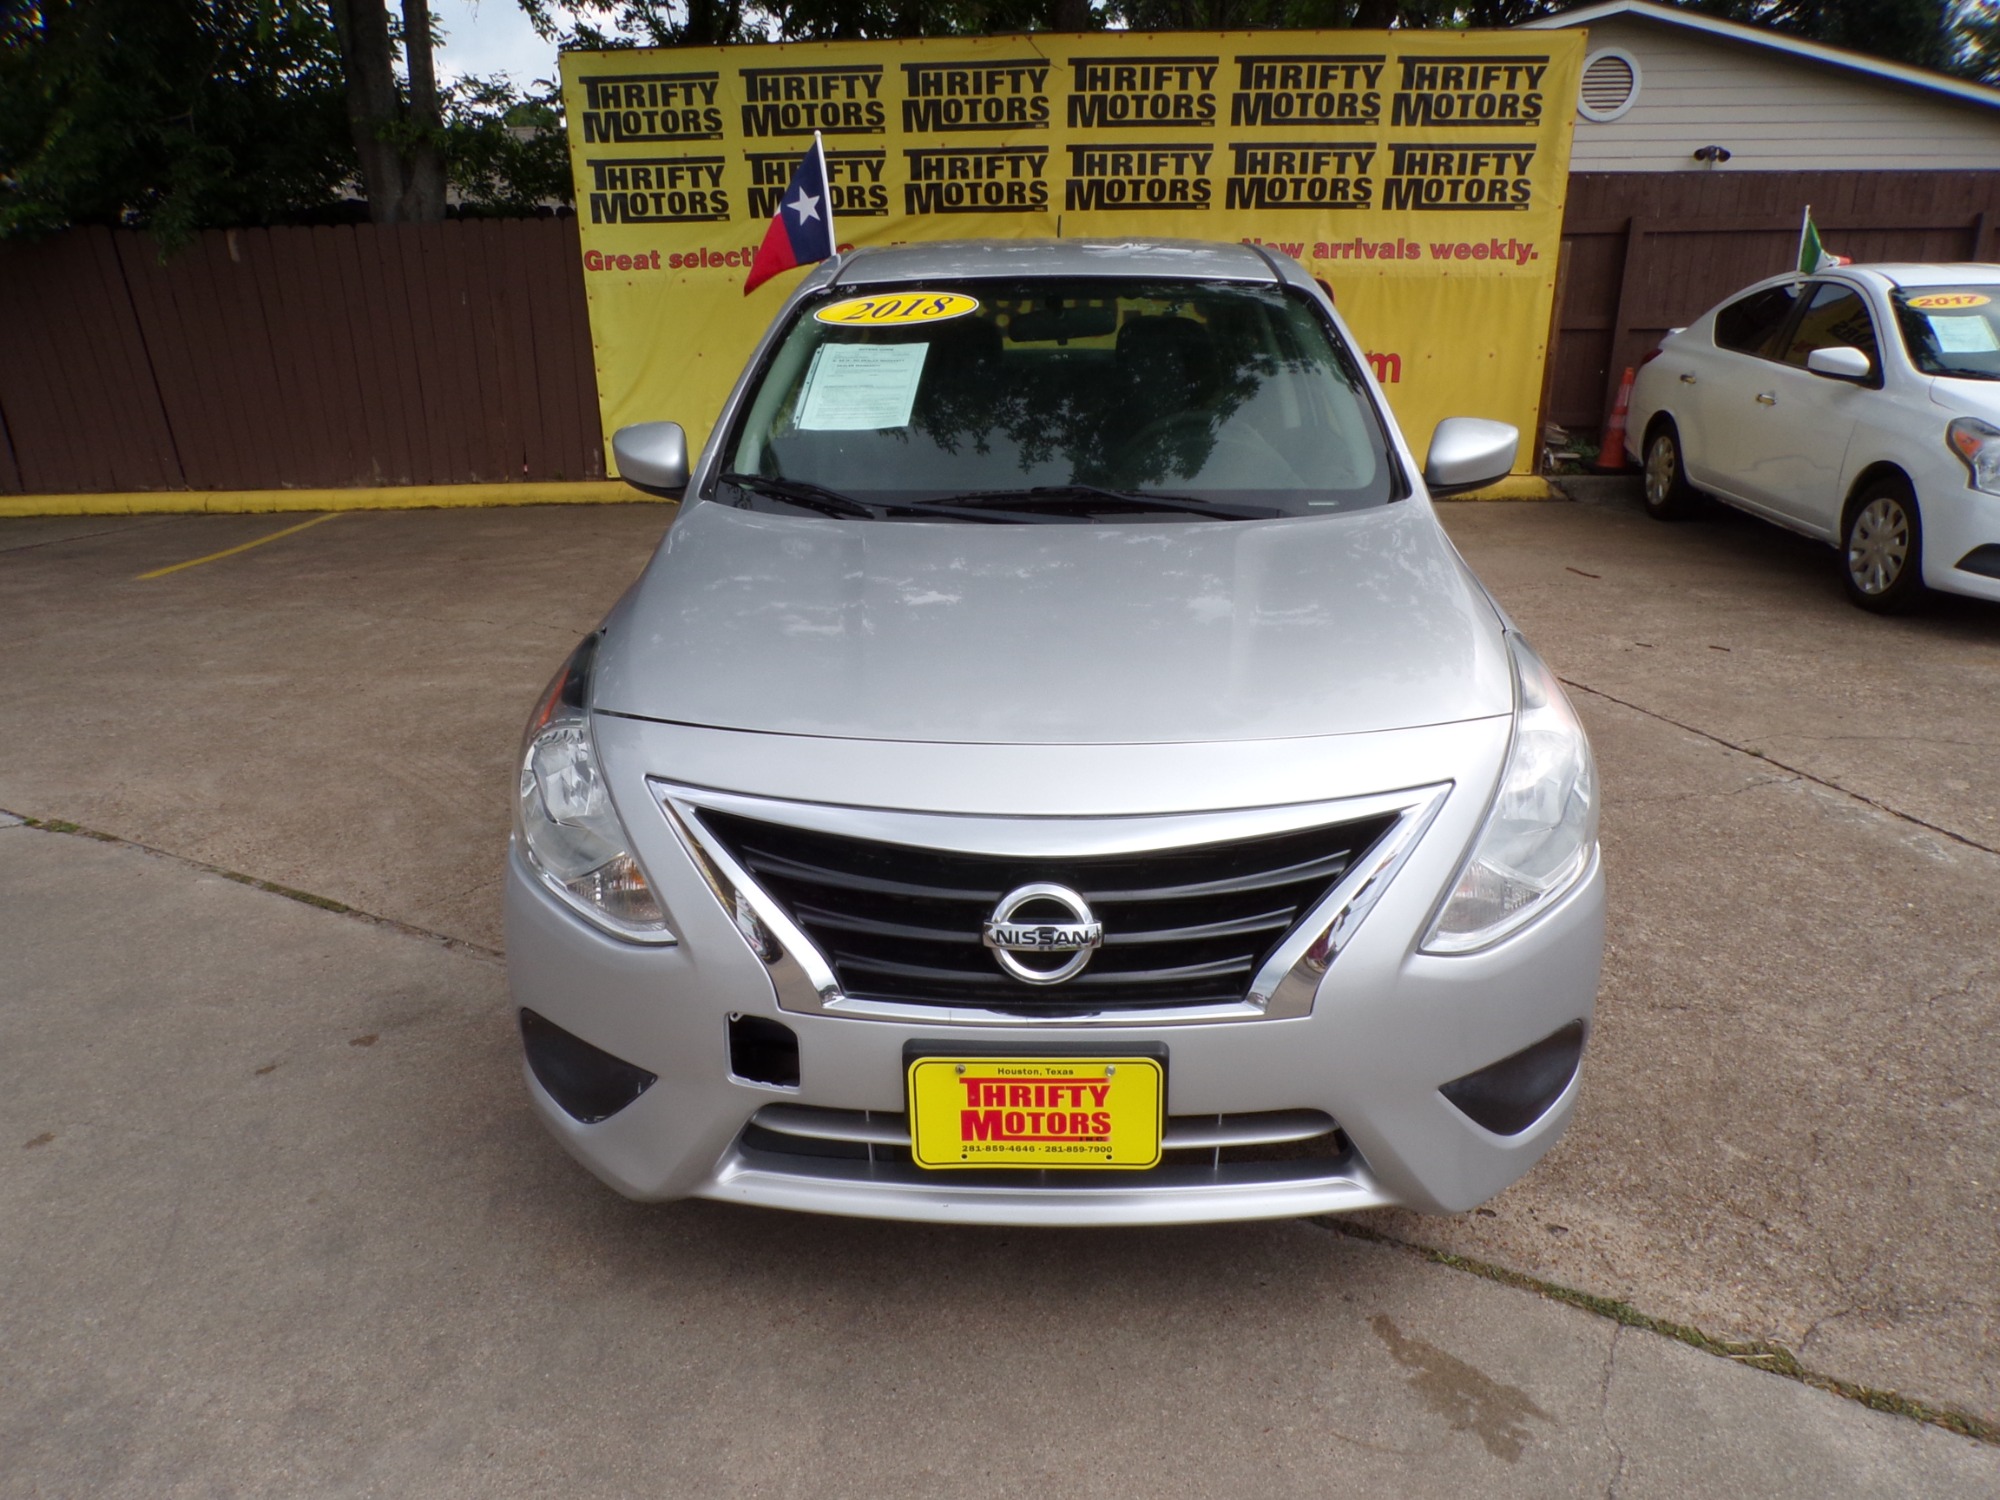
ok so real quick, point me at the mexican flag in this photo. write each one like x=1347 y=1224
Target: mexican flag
x=1813 y=256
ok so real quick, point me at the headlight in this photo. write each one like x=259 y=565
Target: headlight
x=1977 y=445
x=563 y=818
x=1541 y=831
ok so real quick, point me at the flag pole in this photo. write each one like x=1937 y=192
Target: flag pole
x=832 y=234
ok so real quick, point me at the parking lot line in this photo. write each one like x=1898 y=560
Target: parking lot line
x=195 y=562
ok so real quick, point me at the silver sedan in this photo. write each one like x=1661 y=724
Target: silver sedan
x=1056 y=770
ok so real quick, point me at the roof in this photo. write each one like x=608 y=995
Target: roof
x=1928 y=273
x=1886 y=274
x=1039 y=257
x=1879 y=69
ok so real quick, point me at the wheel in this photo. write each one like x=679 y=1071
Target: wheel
x=1881 y=548
x=1669 y=496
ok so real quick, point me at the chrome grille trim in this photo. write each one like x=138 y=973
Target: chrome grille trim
x=1283 y=988
x=1183 y=1132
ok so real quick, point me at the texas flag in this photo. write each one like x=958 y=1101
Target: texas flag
x=801 y=230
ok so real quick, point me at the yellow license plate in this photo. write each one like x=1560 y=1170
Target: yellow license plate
x=1036 y=1111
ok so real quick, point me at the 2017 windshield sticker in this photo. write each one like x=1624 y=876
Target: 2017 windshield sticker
x=1933 y=300
x=901 y=307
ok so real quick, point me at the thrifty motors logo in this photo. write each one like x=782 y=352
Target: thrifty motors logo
x=1158 y=176
x=1443 y=179
x=854 y=177
x=657 y=190
x=1321 y=90
x=948 y=97
x=643 y=107
x=798 y=101
x=1135 y=93
x=977 y=180
x=1473 y=91
x=1001 y=1110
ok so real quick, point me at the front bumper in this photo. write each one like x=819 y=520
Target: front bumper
x=1387 y=1028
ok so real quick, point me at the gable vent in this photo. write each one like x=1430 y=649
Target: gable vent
x=1610 y=85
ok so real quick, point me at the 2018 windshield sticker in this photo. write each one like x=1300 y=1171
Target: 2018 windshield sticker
x=893 y=310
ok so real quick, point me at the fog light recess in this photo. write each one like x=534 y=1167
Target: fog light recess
x=588 y=1082
x=1508 y=1096
x=763 y=1051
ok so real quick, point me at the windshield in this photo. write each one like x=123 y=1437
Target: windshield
x=1093 y=394
x=1951 y=330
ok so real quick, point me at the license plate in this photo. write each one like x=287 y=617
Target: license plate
x=1036 y=1111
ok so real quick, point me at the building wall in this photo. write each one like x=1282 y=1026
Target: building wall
x=1773 y=112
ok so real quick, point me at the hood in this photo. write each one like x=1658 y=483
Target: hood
x=1966 y=398
x=1054 y=634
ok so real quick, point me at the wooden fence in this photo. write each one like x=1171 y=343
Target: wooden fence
x=265 y=358
x=460 y=352
x=1647 y=251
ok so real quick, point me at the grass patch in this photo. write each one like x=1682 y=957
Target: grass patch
x=1774 y=1358
x=324 y=903
x=59 y=825
x=270 y=887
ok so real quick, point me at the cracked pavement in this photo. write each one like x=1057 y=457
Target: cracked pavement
x=310 y=1264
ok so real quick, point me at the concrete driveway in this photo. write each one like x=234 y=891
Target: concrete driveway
x=275 y=1220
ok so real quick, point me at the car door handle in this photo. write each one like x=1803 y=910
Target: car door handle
x=1687 y=380
x=1765 y=398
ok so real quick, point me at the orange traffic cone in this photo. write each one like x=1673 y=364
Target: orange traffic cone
x=1611 y=452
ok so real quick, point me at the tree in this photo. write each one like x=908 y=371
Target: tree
x=1918 y=32
x=505 y=151
x=704 y=23
x=178 y=114
x=398 y=133
x=1976 y=41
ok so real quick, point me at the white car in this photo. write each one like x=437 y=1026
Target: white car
x=1860 y=406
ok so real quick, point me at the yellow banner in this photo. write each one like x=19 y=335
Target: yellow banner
x=1419 y=174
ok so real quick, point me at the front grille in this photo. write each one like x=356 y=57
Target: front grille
x=1182 y=927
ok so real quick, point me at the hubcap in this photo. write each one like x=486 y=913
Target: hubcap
x=1878 y=546
x=1660 y=462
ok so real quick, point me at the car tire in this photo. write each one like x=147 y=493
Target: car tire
x=1669 y=496
x=1881 y=548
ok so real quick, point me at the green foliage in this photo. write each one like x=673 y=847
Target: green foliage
x=1976 y=38
x=505 y=151
x=598 y=24
x=182 y=115
x=177 y=114
x=1918 y=32
x=703 y=23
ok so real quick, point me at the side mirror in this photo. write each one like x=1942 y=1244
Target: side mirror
x=1467 y=452
x=653 y=456
x=1840 y=363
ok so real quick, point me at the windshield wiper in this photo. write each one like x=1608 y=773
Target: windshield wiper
x=1055 y=495
x=811 y=496
x=828 y=502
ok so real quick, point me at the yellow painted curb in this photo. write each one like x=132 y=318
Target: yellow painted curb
x=392 y=497
x=443 y=496
x=1513 y=487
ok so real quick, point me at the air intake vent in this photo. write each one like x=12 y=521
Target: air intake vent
x=1610 y=85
